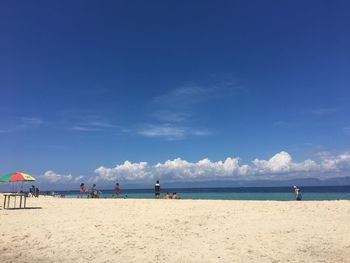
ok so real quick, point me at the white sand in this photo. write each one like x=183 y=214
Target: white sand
x=109 y=230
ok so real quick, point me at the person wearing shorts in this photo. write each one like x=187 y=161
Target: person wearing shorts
x=116 y=190
x=81 y=190
x=157 y=189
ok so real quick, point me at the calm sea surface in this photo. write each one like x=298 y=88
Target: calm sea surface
x=241 y=193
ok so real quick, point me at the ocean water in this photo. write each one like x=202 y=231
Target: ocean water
x=232 y=193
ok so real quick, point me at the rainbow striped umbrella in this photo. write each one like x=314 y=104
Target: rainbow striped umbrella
x=16 y=177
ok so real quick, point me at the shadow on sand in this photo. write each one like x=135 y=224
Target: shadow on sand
x=16 y=208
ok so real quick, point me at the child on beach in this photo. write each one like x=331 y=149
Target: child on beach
x=166 y=195
x=175 y=196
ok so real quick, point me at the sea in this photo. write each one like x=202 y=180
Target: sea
x=309 y=193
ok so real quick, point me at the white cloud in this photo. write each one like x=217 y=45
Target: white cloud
x=52 y=177
x=336 y=163
x=281 y=165
x=166 y=131
x=92 y=126
x=176 y=107
x=171 y=132
x=182 y=169
x=127 y=170
x=281 y=162
x=83 y=128
x=85 y=121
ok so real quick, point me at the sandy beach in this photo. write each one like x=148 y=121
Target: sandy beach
x=127 y=230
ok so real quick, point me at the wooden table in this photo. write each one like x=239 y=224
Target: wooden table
x=7 y=198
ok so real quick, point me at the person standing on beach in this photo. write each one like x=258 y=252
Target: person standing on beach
x=33 y=190
x=93 y=191
x=81 y=190
x=157 y=189
x=116 y=190
x=297 y=193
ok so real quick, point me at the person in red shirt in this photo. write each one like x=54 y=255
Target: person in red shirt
x=81 y=190
x=116 y=190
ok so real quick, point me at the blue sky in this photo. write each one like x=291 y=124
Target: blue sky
x=88 y=85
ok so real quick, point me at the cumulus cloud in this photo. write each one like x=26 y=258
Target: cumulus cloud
x=174 y=170
x=128 y=170
x=336 y=163
x=181 y=169
x=52 y=177
x=281 y=165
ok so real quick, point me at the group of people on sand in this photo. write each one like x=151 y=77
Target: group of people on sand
x=171 y=196
x=166 y=195
x=94 y=193
x=33 y=191
x=91 y=192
